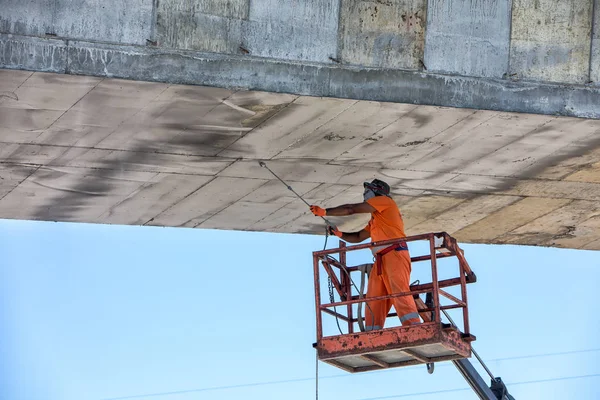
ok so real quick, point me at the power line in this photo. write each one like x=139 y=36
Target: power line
x=346 y=375
x=139 y=396
x=495 y=360
x=563 y=353
x=565 y=378
x=417 y=394
x=366 y=398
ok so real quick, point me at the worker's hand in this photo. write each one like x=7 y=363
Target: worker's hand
x=318 y=211
x=333 y=230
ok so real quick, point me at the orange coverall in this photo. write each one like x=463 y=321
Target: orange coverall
x=386 y=223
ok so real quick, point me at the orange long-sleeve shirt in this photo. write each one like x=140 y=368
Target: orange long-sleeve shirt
x=386 y=222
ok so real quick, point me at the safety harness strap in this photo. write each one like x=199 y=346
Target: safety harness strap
x=378 y=253
x=386 y=249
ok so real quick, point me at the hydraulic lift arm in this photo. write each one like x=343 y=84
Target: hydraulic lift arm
x=497 y=391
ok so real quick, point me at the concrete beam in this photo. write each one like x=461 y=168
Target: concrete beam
x=101 y=150
x=228 y=71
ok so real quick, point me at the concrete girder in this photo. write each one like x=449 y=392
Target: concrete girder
x=91 y=149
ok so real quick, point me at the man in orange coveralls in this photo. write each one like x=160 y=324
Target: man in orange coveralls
x=386 y=223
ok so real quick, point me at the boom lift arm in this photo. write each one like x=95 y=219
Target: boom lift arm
x=497 y=391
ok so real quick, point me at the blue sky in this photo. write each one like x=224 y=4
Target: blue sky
x=97 y=312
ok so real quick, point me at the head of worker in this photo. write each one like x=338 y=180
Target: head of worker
x=375 y=188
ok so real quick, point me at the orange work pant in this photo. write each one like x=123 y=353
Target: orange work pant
x=394 y=278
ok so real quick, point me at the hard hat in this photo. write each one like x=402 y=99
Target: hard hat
x=378 y=186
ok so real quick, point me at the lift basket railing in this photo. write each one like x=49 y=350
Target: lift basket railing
x=441 y=245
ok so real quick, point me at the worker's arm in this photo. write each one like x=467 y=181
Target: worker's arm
x=344 y=209
x=353 y=237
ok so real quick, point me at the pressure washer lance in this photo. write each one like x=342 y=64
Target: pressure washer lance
x=262 y=164
x=330 y=284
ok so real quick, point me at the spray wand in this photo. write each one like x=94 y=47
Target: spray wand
x=262 y=164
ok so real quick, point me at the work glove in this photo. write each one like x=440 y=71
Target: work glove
x=317 y=211
x=333 y=230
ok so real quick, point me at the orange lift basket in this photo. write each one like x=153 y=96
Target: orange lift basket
x=397 y=346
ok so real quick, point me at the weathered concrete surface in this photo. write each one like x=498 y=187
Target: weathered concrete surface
x=595 y=52
x=100 y=150
x=30 y=17
x=301 y=30
x=210 y=25
x=154 y=64
x=467 y=37
x=384 y=34
x=550 y=40
x=281 y=29
x=31 y=53
x=117 y=21
x=150 y=64
x=431 y=52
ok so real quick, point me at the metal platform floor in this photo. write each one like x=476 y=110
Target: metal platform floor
x=394 y=347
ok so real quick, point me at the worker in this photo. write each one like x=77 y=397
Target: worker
x=393 y=275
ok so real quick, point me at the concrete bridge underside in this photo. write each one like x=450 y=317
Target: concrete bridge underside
x=92 y=149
